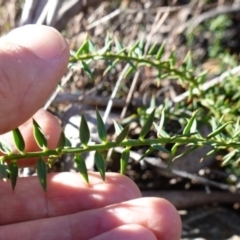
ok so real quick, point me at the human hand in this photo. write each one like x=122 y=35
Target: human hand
x=32 y=60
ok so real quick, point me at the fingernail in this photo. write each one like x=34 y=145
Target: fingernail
x=45 y=42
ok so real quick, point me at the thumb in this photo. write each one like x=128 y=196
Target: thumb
x=33 y=59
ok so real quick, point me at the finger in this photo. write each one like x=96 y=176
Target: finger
x=67 y=193
x=51 y=128
x=33 y=59
x=156 y=214
x=130 y=232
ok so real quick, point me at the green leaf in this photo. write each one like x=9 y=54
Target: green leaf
x=152 y=50
x=160 y=148
x=163 y=134
x=147 y=126
x=191 y=149
x=122 y=135
x=62 y=140
x=106 y=48
x=229 y=156
x=81 y=166
x=13 y=173
x=83 y=49
x=5 y=147
x=102 y=133
x=174 y=148
x=217 y=131
x=135 y=45
x=191 y=125
x=68 y=143
x=3 y=170
x=124 y=160
x=149 y=151
x=160 y=52
x=91 y=47
x=84 y=132
x=118 y=127
x=39 y=135
x=118 y=45
x=42 y=173
x=87 y=69
x=100 y=164
x=18 y=140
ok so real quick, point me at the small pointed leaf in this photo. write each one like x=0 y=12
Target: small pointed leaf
x=62 y=140
x=18 y=140
x=118 y=45
x=160 y=52
x=81 y=166
x=3 y=170
x=147 y=126
x=160 y=148
x=83 y=49
x=100 y=163
x=123 y=134
x=84 y=132
x=5 y=147
x=39 y=135
x=42 y=173
x=217 y=131
x=13 y=173
x=191 y=125
x=118 y=127
x=102 y=133
x=124 y=160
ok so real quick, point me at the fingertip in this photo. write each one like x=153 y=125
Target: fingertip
x=167 y=222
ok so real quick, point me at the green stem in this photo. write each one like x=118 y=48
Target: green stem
x=127 y=143
x=163 y=65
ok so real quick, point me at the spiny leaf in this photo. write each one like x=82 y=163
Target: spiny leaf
x=87 y=69
x=149 y=151
x=42 y=173
x=100 y=163
x=84 y=48
x=62 y=140
x=152 y=50
x=81 y=166
x=122 y=135
x=102 y=133
x=174 y=148
x=160 y=52
x=124 y=160
x=217 y=131
x=160 y=148
x=5 y=147
x=18 y=140
x=118 y=127
x=147 y=126
x=13 y=173
x=228 y=157
x=39 y=135
x=162 y=133
x=191 y=125
x=91 y=47
x=84 y=132
x=191 y=149
x=3 y=170
x=162 y=118
x=135 y=45
x=118 y=45
x=106 y=48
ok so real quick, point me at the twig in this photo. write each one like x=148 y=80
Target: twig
x=54 y=95
x=110 y=103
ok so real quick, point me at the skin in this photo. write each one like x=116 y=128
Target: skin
x=32 y=61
